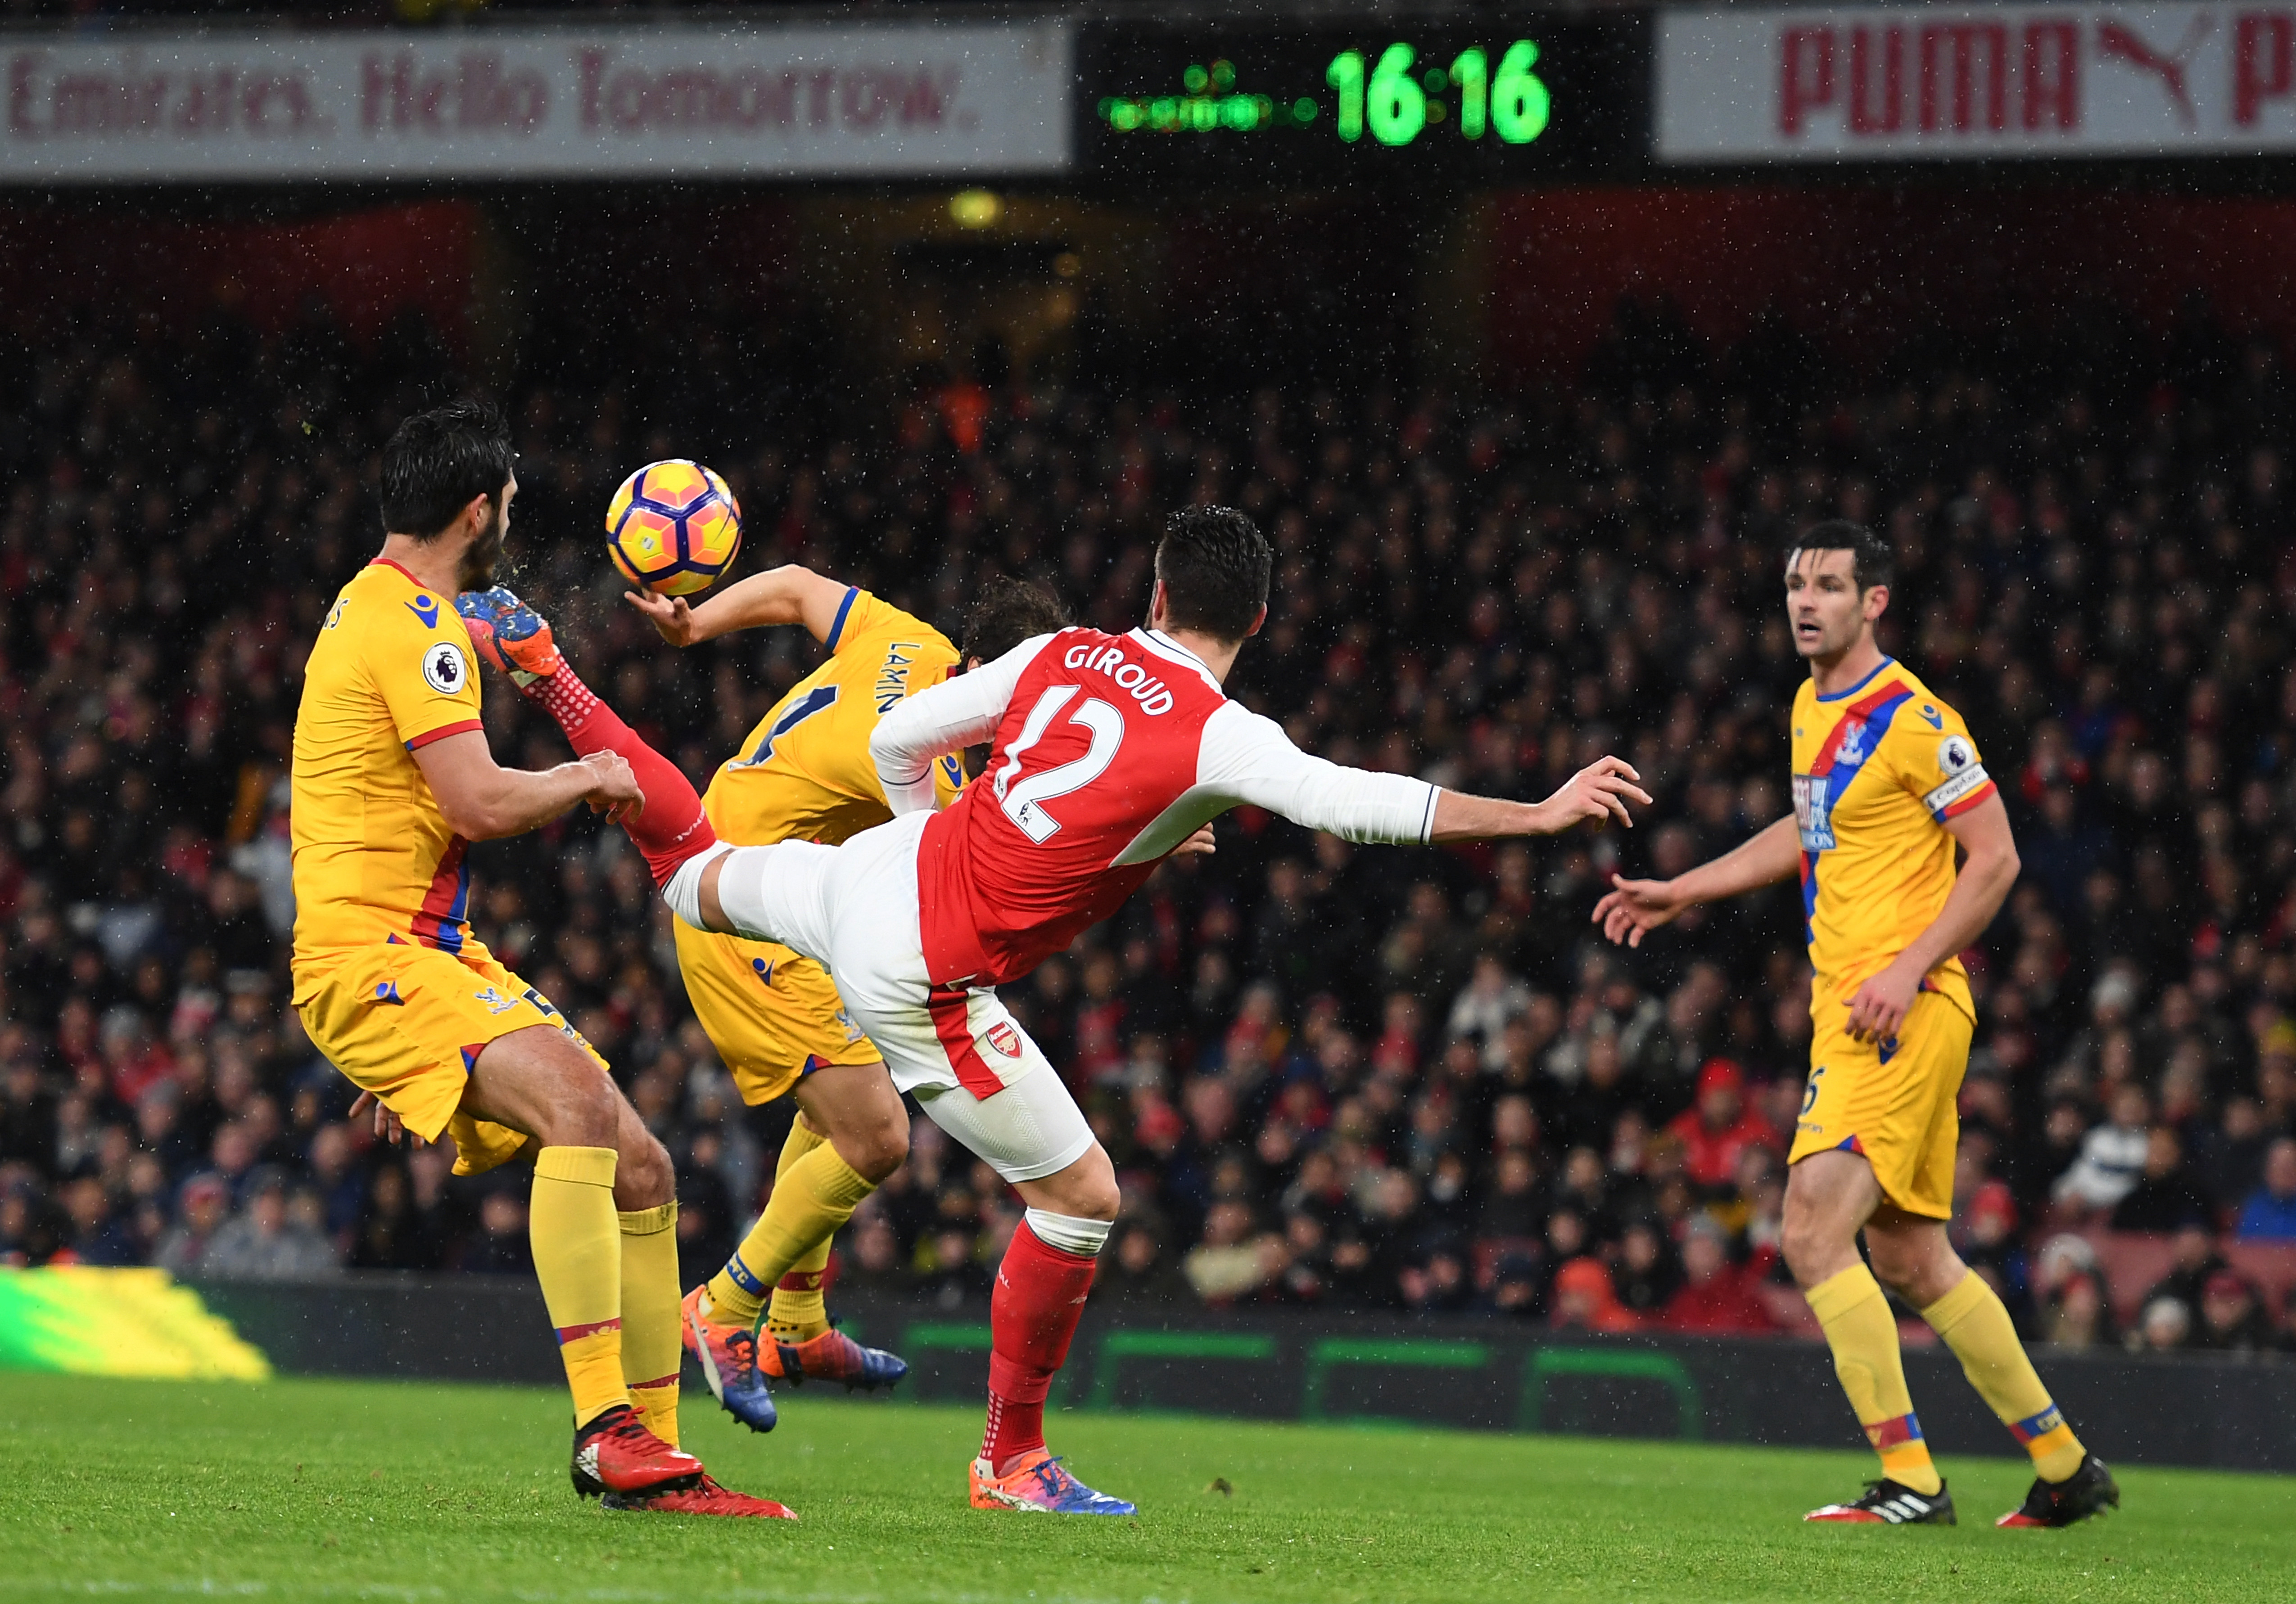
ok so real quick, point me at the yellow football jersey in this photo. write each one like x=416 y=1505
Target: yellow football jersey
x=805 y=773
x=375 y=861
x=1877 y=771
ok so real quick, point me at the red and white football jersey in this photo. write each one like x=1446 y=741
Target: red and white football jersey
x=1108 y=751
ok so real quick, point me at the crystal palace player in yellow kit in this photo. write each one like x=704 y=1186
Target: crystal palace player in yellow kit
x=392 y=781
x=803 y=774
x=1887 y=786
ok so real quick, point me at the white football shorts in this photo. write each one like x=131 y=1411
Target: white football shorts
x=960 y=1052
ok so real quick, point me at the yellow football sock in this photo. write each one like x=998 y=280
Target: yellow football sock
x=798 y=1311
x=577 y=1257
x=727 y=1293
x=812 y=1198
x=801 y=1140
x=1863 y=1338
x=1972 y=1322
x=650 y=1348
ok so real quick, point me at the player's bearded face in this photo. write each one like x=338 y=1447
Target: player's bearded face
x=1824 y=605
x=485 y=553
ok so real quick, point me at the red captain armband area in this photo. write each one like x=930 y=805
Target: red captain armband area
x=1965 y=784
x=442 y=731
x=1975 y=798
x=1960 y=794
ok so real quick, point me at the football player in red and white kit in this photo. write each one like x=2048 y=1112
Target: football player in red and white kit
x=1107 y=752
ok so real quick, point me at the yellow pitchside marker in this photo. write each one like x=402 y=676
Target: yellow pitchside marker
x=89 y=1322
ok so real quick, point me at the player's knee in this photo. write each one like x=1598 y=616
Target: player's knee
x=580 y=1108
x=1088 y=1189
x=643 y=1176
x=1103 y=1200
x=1918 y=1271
x=1813 y=1248
x=876 y=1148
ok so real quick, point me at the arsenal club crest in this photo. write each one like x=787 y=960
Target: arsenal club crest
x=1004 y=1039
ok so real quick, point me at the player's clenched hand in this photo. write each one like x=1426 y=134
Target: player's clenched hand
x=614 y=787
x=1599 y=791
x=1881 y=1005
x=670 y=615
x=1632 y=909
x=1199 y=845
x=387 y=1124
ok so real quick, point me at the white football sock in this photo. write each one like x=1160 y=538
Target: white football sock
x=1083 y=1238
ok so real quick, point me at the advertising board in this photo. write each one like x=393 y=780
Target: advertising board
x=1942 y=81
x=986 y=100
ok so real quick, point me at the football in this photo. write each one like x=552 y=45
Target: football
x=673 y=527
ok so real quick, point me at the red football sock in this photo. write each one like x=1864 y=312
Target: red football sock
x=1032 y=1315
x=671 y=827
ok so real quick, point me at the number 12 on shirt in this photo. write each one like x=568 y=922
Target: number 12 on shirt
x=1024 y=802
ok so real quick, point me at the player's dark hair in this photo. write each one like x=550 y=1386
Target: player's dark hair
x=1871 y=560
x=1215 y=564
x=438 y=460
x=1006 y=613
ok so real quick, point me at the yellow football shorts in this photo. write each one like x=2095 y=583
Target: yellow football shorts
x=1893 y=1101
x=407 y=1023
x=773 y=1015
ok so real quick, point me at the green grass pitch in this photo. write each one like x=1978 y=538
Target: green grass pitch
x=343 y=1490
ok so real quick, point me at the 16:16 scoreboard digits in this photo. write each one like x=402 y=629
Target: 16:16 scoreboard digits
x=1518 y=94
x=1387 y=95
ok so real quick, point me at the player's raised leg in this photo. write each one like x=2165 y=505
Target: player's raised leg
x=1916 y=1258
x=514 y=638
x=1829 y=1198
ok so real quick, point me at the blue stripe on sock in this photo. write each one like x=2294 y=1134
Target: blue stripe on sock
x=741 y=1277
x=2037 y=1425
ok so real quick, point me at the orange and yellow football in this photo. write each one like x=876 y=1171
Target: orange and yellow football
x=673 y=527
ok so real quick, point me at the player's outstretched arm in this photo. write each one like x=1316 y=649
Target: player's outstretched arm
x=1247 y=759
x=481 y=801
x=1988 y=868
x=1600 y=792
x=1632 y=909
x=789 y=594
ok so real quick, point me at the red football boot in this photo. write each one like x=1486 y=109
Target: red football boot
x=616 y=1453
x=702 y=1496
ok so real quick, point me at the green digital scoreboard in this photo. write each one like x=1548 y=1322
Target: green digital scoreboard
x=1492 y=97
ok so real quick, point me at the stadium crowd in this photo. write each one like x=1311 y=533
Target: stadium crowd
x=1330 y=1077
